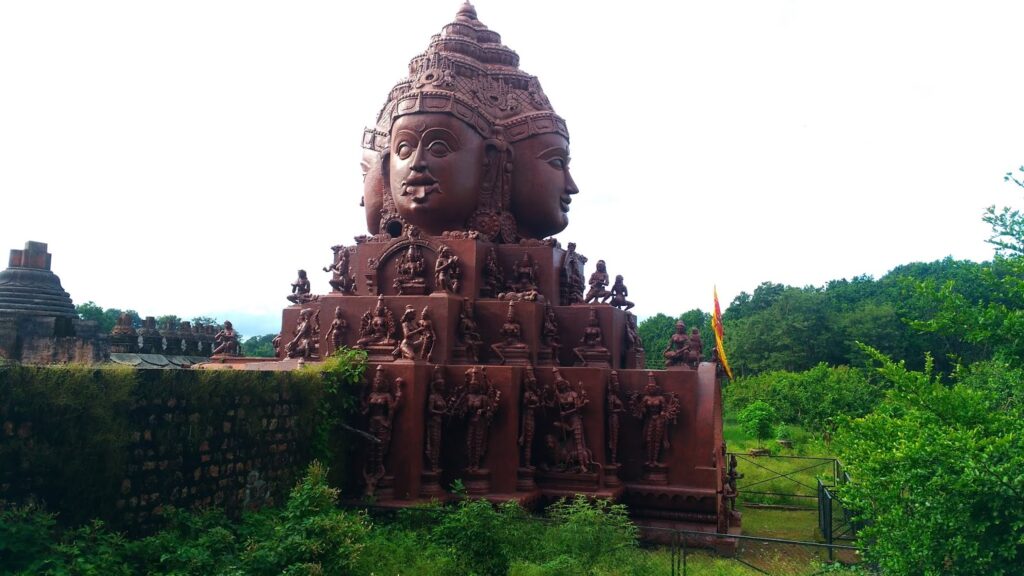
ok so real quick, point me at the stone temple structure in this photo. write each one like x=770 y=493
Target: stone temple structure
x=38 y=322
x=494 y=359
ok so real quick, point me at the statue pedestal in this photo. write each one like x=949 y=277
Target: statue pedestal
x=595 y=358
x=611 y=475
x=430 y=484
x=571 y=481
x=383 y=489
x=545 y=357
x=517 y=356
x=525 y=479
x=459 y=356
x=656 y=473
x=379 y=353
x=478 y=481
x=411 y=289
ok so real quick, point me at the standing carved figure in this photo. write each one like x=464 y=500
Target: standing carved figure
x=731 y=477
x=572 y=276
x=657 y=410
x=677 y=351
x=437 y=408
x=598 y=284
x=405 y=348
x=528 y=408
x=425 y=328
x=695 y=349
x=336 y=333
x=341 y=280
x=411 y=272
x=619 y=293
x=306 y=343
x=549 y=332
x=615 y=407
x=380 y=406
x=477 y=403
x=469 y=334
x=570 y=402
x=493 y=275
x=227 y=341
x=377 y=326
x=447 y=271
x=300 y=290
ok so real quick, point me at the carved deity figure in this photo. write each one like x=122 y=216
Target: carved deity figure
x=524 y=275
x=476 y=402
x=341 y=280
x=598 y=285
x=570 y=402
x=468 y=142
x=614 y=408
x=437 y=409
x=336 y=333
x=380 y=406
x=405 y=348
x=619 y=293
x=572 y=283
x=227 y=341
x=529 y=406
x=549 y=331
x=377 y=326
x=511 y=333
x=493 y=275
x=427 y=336
x=592 y=342
x=447 y=271
x=657 y=410
x=469 y=334
x=300 y=290
x=694 y=349
x=306 y=340
x=677 y=351
x=411 y=272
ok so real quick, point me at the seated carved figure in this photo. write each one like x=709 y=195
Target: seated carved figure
x=524 y=275
x=411 y=272
x=377 y=326
x=592 y=349
x=512 y=346
x=306 y=342
x=598 y=284
x=695 y=349
x=341 y=280
x=227 y=341
x=619 y=293
x=300 y=290
x=677 y=351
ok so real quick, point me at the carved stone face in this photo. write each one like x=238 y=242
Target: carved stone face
x=435 y=170
x=542 y=187
x=373 y=189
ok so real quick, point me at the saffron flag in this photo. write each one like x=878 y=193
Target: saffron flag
x=716 y=324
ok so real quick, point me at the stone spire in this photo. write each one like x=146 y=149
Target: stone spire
x=29 y=288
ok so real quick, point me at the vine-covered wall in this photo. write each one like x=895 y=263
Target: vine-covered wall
x=129 y=445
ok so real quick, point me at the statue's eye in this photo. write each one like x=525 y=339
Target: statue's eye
x=439 y=149
x=404 y=150
x=557 y=163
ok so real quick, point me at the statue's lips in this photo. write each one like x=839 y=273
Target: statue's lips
x=420 y=187
x=565 y=201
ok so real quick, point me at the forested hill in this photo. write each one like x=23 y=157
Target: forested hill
x=779 y=327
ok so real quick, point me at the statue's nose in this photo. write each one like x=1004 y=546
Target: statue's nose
x=419 y=159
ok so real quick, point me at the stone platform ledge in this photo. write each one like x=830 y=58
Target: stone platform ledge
x=527 y=500
x=249 y=363
x=661 y=531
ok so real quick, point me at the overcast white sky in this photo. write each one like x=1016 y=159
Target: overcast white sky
x=187 y=157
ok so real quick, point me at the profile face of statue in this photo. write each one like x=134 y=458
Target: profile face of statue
x=373 y=189
x=542 y=186
x=435 y=166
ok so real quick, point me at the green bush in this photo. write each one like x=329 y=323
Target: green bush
x=757 y=420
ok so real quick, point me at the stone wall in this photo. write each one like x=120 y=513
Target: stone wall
x=128 y=446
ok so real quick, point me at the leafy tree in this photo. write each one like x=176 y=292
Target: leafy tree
x=655 y=332
x=937 y=471
x=259 y=346
x=757 y=420
x=205 y=321
x=161 y=321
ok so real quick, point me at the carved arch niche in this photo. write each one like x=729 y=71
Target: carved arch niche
x=385 y=274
